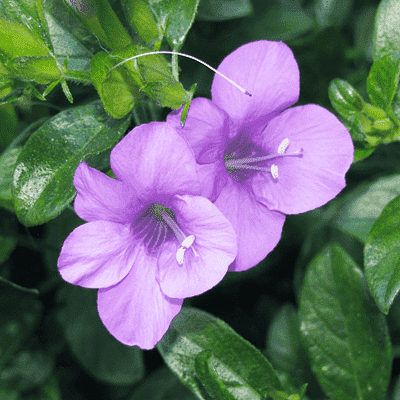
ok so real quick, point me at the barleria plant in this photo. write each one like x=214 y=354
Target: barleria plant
x=200 y=199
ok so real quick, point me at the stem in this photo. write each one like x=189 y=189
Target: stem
x=78 y=76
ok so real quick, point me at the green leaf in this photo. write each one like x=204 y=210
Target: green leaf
x=360 y=208
x=8 y=234
x=345 y=333
x=99 y=352
x=27 y=370
x=117 y=90
x=118 y=37
x=386 y=36
x=19 y=312
x=344 y=98
x=30 y=13
x=162 y=385
x=175 y=17
x=382 y=256
x=42 y=183
x=332 y=12
x=242 y=368
x=285 y=20
x=141 y=18
x=217 y=10
x=283 y=341
x=209 y=378
x=382 y=81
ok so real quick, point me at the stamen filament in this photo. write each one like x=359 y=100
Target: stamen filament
x=187 y=56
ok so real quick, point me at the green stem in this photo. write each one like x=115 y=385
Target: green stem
x=78 y=76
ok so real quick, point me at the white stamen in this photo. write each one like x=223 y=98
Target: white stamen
x=274 y=171
x=179 y=255
x=188 y=56
x=186 y=244
x=283 y=146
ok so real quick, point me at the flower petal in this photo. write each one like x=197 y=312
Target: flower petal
x=101 y=197
x=306 y=182
x=206 y=129
x=135 y=311
x=215 y=245
x=258 y=230
x=156 y=162
x=269 y=71
x=97 y=254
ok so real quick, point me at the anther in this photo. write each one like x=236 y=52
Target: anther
x=187 y=56
x=274 y=171
x=283 y=146
x=186 y=244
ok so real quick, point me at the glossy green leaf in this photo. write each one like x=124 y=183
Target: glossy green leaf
x=42 y=183
x=343 y=330
x=386 y=36
x=117 y=90
x=209 y=378
x=344 y=98
x=30 y=13
x=162 y=385
x=99 y=352
x=175 y=17
x=19 y=312
x=68 y=29
x=217 y=10
x=68 y=44
x=361 y=207
x=9 y=125
x=382 y=81
x=245 y=372
x=382 y=256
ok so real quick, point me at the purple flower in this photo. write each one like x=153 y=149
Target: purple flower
x=257 y=159
x=150 y=240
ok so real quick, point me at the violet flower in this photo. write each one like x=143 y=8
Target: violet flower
x=150 y=240
x=257 y=159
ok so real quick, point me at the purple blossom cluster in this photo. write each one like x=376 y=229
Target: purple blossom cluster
x=190 y=203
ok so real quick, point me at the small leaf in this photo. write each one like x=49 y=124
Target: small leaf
x=66 y=91
x=217 y=10
x=141 y=18
x=118 y=37
x=42 y=184
x=344 y=98
x=361 y=207
x=386 y=36
x=345 y=334
x=382 y=81
x=242 y=368
x=382 y=256
x=99 y=352
x=175 y=17
x=19 y=313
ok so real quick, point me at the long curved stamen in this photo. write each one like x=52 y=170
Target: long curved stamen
x=185 y=241
x=187 y=56
x=241 y=163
